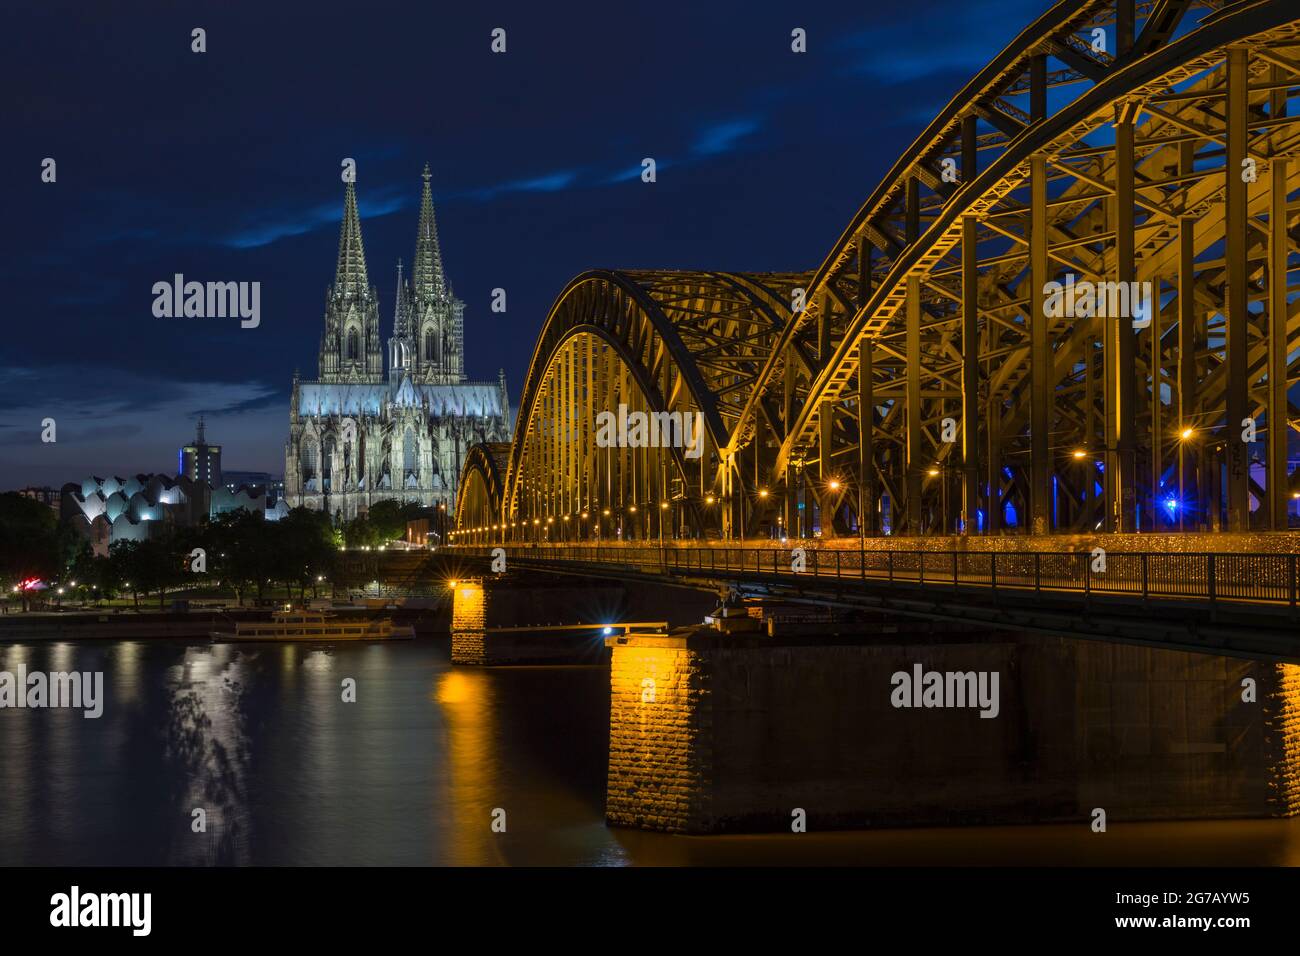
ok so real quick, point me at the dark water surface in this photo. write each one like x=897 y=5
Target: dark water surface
x=411 y=773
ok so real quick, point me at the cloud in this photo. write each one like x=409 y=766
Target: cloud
x=722 y=137
x=308 y=220
x=547 y=183
x=119 y=422
x=899 y=52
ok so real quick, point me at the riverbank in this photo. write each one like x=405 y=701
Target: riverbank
x=129 y=624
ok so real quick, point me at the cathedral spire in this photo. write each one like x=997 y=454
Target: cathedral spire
x=426 y=274
x=350 y=279
x=401 y=319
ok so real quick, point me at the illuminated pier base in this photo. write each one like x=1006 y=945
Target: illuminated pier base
x=714 y=733
x=526 y=604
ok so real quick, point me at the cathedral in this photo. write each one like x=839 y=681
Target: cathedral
x=359 y=434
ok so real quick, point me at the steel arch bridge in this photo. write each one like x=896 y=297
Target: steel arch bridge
x=1069 y=306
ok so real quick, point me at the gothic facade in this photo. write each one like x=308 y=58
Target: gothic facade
x=360 y=433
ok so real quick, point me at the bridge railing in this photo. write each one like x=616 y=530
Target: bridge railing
x=1258 y=578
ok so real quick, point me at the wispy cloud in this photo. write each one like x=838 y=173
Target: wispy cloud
x=723 y=137
x=899 y=52
x=119 y=421
x=326 y=214
x=546 y=183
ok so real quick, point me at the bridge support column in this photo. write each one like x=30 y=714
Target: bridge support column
x=970 y=399
x=1236 y=313
x=915 y=467
x=1279 y=428
x=1121 y=391
x=868 y=495
x=1041 y=396
x=712 y=732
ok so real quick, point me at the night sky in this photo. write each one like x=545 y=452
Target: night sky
x=224 y=166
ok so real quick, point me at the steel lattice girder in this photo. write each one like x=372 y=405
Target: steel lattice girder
x=909 y=231
x=689 y=342
x=929 y=268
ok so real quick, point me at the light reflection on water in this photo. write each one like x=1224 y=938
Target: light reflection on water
x=411 y=773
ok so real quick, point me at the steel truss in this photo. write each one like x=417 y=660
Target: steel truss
x=924 y=386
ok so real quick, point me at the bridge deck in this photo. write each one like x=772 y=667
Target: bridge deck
x=1240 y=604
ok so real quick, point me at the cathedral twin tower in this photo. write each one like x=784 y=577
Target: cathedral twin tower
x=428 y=320
x=358 y=435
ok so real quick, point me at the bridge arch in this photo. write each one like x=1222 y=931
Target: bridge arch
x=929 y=310
x=664 y=350
x=922 y=384
x=478 y=498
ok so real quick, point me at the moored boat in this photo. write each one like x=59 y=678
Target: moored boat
x=302 y=625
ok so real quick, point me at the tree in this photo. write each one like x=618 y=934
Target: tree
x=304 y=541
x=360 y=533
x=389 y=518
x=32 y=546
x=123 y=569
x=84 y=569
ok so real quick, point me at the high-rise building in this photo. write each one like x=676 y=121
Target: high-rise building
x=358 y=434
x=200 y=461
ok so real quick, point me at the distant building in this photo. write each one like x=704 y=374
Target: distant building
x=106 y=510
x=200 y=461
x=46 y=495
x=271 y=485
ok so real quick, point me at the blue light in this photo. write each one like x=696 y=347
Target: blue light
x=1171 y=505
x=607 y=631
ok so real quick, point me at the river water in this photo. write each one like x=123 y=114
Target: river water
x=415 y=771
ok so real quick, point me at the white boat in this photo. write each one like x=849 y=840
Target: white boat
x=301 y=625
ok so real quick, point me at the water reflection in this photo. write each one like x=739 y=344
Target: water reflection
x=288 y=773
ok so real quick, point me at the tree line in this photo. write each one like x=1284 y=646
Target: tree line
x=237 y=551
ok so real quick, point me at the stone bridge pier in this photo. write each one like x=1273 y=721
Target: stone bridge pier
x=713 y=732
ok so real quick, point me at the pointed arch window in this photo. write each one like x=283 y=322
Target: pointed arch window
x=309 y=460
x=409 y=458
x=430 y=346
x=354 y=344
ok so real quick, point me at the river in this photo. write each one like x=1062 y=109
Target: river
x=415 y=772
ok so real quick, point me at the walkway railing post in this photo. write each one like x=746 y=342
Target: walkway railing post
x=1038 y=572
x=891 y=566
x=921 y=565
x=1145 y=586
x=1209 y=576
x=1087 y=576
x=1290 y=574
